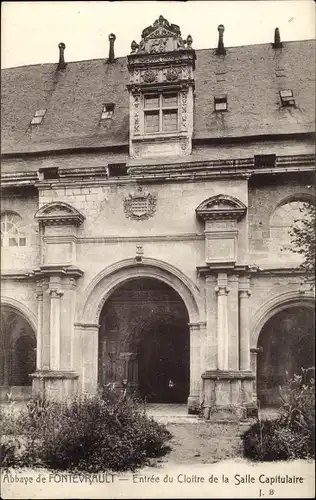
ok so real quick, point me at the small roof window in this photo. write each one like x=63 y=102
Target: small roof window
x=287 y=98
x=220 y=103
x=107 y=111
x=117 y=169
x=38 y=116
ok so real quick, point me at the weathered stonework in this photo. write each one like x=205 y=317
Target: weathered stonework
x=184 y=240
x=163 y=62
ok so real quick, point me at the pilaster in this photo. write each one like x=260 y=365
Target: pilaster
x=244 y=329
x=211 y=347
x=195 y=368
x=222 y=291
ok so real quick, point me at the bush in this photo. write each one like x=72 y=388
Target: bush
x=292 y=434
x=91 y=433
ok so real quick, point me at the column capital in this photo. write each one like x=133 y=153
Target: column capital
x=222 y=290
x=197 y=326
x=56 y=293
x=244 y=294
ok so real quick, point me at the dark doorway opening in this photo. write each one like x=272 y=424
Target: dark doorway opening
x=287 y=343
x=144 y=341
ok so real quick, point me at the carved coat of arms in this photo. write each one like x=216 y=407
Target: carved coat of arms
x=140 y=205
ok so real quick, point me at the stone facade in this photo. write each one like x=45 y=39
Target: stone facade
x=184 y=223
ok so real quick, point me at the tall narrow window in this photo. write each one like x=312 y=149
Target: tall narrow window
x=161 y=112
x=11 y=234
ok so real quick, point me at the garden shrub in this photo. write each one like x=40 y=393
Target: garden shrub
x=292 y=434
x=91 y=433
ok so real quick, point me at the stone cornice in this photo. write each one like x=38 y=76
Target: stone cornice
x=253 y=270
x=57 y=270
x=173 y=172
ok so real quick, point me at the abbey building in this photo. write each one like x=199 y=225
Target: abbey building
x=146 y=208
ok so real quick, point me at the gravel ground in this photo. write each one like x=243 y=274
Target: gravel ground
x=204 y=442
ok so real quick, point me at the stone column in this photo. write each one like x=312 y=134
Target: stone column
x=210 y=348
x=244 y=332
x=254 y=352
x=39 y=296
x=55 y=296
x=195 y=368
x=222 y=291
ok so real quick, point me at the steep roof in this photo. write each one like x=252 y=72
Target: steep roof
x=251 y=76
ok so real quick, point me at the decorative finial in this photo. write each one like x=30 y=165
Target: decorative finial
x=277 y=39
x=112 y=39
x=134 y=47
x=61 y=62
x=189 y=41
x=221 y=51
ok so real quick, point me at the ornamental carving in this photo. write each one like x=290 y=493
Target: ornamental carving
x=136 y=115
x=59 y=213
x=221 y=207
x=171 y=74
x=149 y=76
x=140 y=205
x=161 y=36
x=184 y=110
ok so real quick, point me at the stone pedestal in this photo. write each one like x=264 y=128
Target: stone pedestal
x=58 y=385
x=227 y=394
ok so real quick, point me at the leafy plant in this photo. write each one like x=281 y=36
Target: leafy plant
x=303 y=237
x=292 y=434
x=91 y=433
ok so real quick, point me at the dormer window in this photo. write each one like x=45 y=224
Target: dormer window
x=107 y=111
x=220 y=103
x=38 y=117
x=161 y=112
x=287 y=98
x=117 y=169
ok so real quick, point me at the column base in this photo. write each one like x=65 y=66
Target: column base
x=54 y=384
x=194 y=406
x=227 y=395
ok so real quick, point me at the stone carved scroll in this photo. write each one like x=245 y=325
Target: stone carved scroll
x=184 y=111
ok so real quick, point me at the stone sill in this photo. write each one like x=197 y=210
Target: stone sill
x=54 y=374
x=228 y=375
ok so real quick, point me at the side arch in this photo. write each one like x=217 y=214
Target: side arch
x=113 y=276
x=276 y=304
x=22 y=310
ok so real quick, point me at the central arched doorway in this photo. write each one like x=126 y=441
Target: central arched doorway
x=144 y=341
x=286 y=345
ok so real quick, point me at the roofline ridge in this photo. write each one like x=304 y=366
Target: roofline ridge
x=232 y=47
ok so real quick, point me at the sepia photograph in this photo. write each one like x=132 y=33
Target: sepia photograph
x=157 y=249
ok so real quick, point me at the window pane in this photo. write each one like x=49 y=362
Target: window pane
x=13 y=242
x=170 y=99
x=152 y=101
x=286 y=93
x=106 y=115
x=22 y=242
x=170 y=120
x=220 y=106
x=152 y=122
x=40 y=112
x=36 y=120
